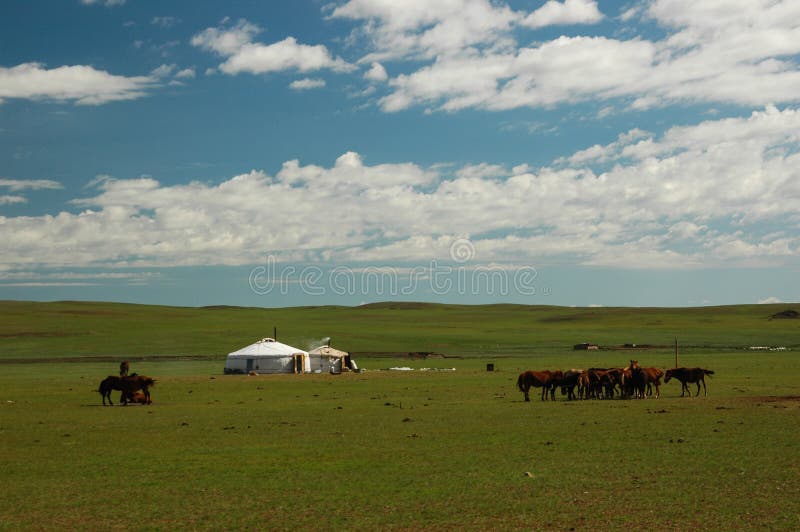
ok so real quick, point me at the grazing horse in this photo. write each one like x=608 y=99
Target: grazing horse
x=124 y=368
x=689 y=375
x=127 y=385
x=539 y=379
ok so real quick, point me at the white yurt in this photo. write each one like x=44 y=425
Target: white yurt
x=268 y=356
x=326 y=359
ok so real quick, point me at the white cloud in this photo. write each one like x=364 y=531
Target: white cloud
x=722 y=192
x=81 y=84
x=10 y=200
x=739 y=53
x=164 y=22
x=186 y=73
x=29 y=184
x=427 y=29
x=107 y=3
x=306 y=84
x=163 y=71
x=769 y=300
x=376 y=72
x=567 y=12
x=243 y=55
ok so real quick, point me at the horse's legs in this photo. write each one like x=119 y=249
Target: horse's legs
x=705 y=392
x=525 y=391
x=658 y=390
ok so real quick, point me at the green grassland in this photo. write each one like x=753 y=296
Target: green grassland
x=433 y=450
x=82 y=329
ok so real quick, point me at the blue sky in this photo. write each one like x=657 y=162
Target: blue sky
x=565 y=152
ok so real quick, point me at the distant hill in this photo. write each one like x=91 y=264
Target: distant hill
x=96 y=329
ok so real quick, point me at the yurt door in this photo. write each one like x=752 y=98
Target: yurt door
x=249 y=365
x=299 y=363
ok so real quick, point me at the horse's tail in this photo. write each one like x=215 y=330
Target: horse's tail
x=708 y=372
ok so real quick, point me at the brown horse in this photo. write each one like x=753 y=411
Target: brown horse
x=654 y=379
x=568 y=383
x=127 y=385
x=137 y=397
x=538 y=379
x=689 y=375
x=639 y=379
x=124 y=368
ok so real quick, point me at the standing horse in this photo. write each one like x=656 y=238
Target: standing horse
x=539 y=379
x=654 y=379
x=124 y=368
x=639 y=381
x=127 y=385
x=689 y=375
x=568 y=383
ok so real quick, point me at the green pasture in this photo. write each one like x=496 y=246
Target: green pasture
x=84 y=329
x=436 y=450
x=377 y=450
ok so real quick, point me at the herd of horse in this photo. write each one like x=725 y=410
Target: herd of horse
x=134 y=388
x=632 y=381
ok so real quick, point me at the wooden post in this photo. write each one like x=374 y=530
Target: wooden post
x=275 y=333
x=676 y=351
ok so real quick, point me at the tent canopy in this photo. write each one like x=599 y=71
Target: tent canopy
x=268 y=356
x=328 y=351
x=266 y=347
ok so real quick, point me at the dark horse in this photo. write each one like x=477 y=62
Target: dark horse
x=127 y=385
x=639 y=380
x=540 y=379
x=688 y=375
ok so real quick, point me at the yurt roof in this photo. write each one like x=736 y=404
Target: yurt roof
x=329 y=351
x=267 y=347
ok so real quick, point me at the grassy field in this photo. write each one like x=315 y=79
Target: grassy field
x=436 y=450
x=81 y=329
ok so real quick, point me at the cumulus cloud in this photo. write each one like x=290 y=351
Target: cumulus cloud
x=186 y=73
x=243 y=55
x=419 y=28
x=83 y=85
x=739 y=53
x=306 y=84
x=567 y=12
x=721 y=192
x=376 y=72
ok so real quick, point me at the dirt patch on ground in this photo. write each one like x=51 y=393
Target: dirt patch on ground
x=774 y=401
x=569 y=317
x=788 y=314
